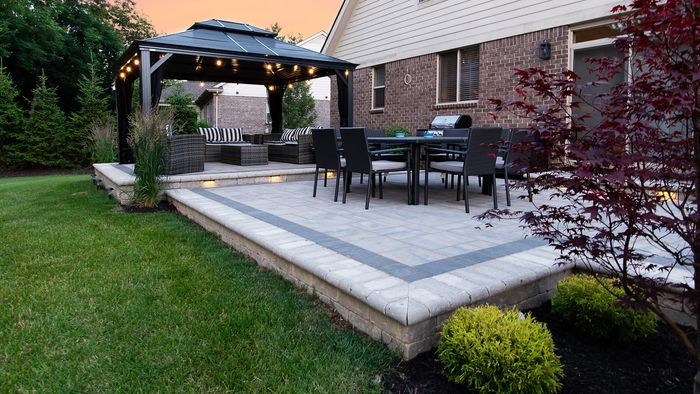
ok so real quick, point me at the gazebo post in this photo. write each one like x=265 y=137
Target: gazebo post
x=145 y=81
x=124 y=89
x=345 y=97
x=275 y=96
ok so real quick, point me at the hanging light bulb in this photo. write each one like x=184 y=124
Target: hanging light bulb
x=296 y=67
x=122 y=75
x=219 y=62
x=347 y=73
x=290 y=86
x=137 y=62
x=201 y=84
x=128 y=69
x=311 y=71
x=271 y=88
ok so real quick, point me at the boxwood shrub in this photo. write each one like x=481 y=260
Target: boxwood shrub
x=585 y=302
x=494 y=351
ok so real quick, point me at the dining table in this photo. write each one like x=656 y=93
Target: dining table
x=416 y=144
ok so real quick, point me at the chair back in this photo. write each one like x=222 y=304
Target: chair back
x=326 y=147
x=455 y=133
x=518 y=159
x=356 y=151
x=481 y=151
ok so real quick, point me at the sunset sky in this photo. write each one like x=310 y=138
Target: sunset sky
x=299 y=16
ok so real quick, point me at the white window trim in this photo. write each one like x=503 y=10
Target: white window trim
x=459 y=80
x=374 y=71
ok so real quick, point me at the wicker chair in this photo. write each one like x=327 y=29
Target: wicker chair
x=300 y=152
x=359 y=159
x=327 y=157
x=479 y=159
x=185 y=154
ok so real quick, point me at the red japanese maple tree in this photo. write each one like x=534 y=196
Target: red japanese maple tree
x=624 y=175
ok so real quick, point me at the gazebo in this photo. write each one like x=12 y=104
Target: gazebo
x=221 y=51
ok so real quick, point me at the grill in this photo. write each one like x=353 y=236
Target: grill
x=442 y=122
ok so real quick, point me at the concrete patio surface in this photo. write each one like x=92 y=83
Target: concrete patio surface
x=395 y=271
x=118 y=179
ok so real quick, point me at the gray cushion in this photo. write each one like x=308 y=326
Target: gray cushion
x=386 y=165
x=449 y=166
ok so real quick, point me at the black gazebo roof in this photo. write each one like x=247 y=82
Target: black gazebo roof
x=229 y=48
x=222 y=51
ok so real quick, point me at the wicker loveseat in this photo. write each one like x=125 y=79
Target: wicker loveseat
x=292 y=146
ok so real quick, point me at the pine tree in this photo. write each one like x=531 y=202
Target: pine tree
x=43 y=141
x=10 y=117
x=93 y=111
x=298 y=106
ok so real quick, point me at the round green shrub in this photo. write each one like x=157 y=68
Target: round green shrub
x=492 y=351
x=594 y=308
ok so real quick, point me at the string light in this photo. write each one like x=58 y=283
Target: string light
x=271 y=88
x=137 y=62
x=296 y=68
x=201 y=84
x=311 y=71
x=290 y=86
x=128 y=69
x=122 y=75
x=347 y=73
x=219 y=62
x=268 y=66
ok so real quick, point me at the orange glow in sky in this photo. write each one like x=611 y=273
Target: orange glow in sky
x=298 y=16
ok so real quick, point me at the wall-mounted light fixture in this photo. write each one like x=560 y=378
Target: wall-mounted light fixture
x=545 y=50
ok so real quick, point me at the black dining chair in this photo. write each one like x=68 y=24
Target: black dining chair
x=478 y=159
x=514 y=159
x=328 y=157
x=454 y=146
x=359 y=159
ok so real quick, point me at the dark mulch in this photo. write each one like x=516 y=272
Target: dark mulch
x=163 y=206
x=657 y=364
x=21 y=172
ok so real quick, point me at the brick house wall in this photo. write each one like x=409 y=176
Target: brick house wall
x=248 y=113
x=413 y=105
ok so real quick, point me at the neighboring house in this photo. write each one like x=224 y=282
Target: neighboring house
x=245 y=106
x=421 y=58
x=195 y=89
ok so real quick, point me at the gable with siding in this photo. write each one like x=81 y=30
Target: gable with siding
x=370 y=32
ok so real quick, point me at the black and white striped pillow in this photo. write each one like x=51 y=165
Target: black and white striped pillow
x=211 y=133
x=229 y=134
x=303 y=131
x=288 y=135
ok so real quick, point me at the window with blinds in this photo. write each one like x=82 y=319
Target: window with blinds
x=378 y=87
x=458 y=75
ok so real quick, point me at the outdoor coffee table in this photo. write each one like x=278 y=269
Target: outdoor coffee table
x=244 y=154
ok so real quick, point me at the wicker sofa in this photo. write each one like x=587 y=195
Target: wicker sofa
x=293 y=146
x=216 y=137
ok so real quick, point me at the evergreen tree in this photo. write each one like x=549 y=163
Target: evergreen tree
x=10 y=116
x=298 y=106
x=184 y=116
x=93 y=110
x=43 y=141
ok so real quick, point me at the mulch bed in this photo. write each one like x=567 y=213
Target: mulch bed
x=657 y=364
x=21 y=172
x=163 y=206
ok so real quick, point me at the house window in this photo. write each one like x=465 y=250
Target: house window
x=378 y=81
x=458 y=75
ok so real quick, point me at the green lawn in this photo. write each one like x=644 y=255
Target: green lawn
x=94 y=299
